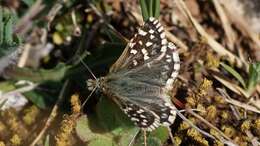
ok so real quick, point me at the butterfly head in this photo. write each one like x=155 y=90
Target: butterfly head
x=92 y=84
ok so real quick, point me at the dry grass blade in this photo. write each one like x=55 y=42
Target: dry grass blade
x=226 y=24
x=241 y=23
x=52 y=116
x=25 y=23
x=227 y=140
x=233 y=87
x=211 y=42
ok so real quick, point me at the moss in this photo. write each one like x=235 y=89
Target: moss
x=212 y=113
x=212 y=61
x=68 y=123
x=246 y=125
x=228 y=131
x=177 y=140
x=2 y=143
x=204 y=87
x=195 y=135
x=16 y=140
x=30 y=115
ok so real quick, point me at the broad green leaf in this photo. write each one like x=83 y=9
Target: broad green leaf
x=111 y=117
x=87 y=131
x=161 y=133
x=234 y=73
x=150 y=140
x=101 y=141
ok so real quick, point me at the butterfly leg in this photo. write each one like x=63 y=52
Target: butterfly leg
x=170 y=134
x=145 y=138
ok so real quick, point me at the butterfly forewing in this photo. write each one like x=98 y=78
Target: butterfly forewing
x=149 y=42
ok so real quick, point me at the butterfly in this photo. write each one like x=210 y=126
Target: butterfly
x=141 y=80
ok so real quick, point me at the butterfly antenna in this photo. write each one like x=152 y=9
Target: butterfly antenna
x=85 y=65
x=83 y=104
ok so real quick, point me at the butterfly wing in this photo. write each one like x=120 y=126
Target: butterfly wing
x=140 y=80
x=147 y=43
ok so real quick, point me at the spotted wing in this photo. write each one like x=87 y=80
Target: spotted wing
x=142 y=92
x=149 y=42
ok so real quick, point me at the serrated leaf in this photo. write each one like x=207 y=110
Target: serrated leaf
x=234 y=73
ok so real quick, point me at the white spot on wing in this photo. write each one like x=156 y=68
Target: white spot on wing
x=175 y=57
x=152 y=36
x=146 y=57
x=160 y=29
x=155 y=22
x=164 y=48
x=131 y=45
x=174 y=75
x=158 y=25
x=151 y=31
x=135 y=62
x=151 y=19
x=148 y=44
x=176 y=66
x=162 y=35
x=133 y=51
x=164 y=41
x=169 y=83
x=141 y=32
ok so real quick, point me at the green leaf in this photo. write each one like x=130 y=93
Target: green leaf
x=87 y=131
x=144 y=9
x=150 y=8
x=29 y=3
x=111 y=117
x=101 y=141
x=150 y=140
x=109 y=123
x=42 y=75
x=254 y=76
x=162 y=133
x=234 y=73
x=47 y=141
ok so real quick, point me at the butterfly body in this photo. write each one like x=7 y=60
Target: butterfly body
x=141 y=80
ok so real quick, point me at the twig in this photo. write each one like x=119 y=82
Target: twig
x=194 y=126
x=252 y=138
x=226 y=97
x=53 y=12
x=243 y=105
x=52 y=115
x=227 y=141
x=25 y=22
x=226 y=24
